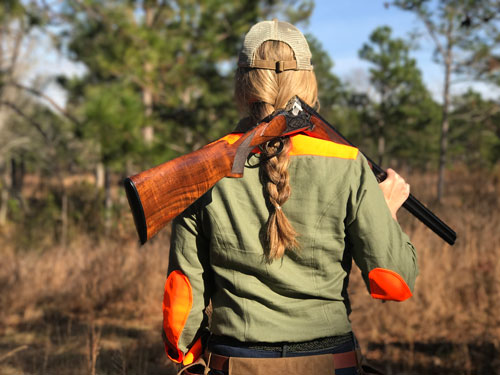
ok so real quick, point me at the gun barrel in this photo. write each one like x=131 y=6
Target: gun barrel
x=427 y=217
x=412 y=204
x=422 y=213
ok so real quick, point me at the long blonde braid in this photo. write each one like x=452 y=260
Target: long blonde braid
x=280 y=233
x=259 y=92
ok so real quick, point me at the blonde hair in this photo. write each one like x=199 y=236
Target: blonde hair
x=258 y=93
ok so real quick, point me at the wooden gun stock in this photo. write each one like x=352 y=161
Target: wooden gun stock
x=325 y=130
x=161 y=193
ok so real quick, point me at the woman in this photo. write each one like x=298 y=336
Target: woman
x=273 y=250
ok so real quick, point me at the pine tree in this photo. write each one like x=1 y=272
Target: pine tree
x=402 y=107
x=450 y=24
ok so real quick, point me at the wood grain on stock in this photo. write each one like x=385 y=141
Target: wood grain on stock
x=159 y=194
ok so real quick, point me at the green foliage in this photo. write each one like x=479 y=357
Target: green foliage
x=329 y=86
x=41 y=224
x=483 y=47
x=113 y=116
x=85 y=211
x=475 y=135
x=166 y=69
x=10 y=9
x=168 y=63
x=402 y=115
x=28 y=15
x=469 y=28
x=334 y=97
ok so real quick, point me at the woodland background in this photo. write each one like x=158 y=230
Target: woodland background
x=78 y=295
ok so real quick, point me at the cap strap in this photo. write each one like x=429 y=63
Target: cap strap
x=279 y=66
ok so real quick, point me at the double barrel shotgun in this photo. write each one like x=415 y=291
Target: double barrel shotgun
x=159 y=194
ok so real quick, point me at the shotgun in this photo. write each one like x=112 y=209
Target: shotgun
x=159 y=194
x=323 y=129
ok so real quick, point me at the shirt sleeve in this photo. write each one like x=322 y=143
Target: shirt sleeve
x=380 y=248
x=187 y=291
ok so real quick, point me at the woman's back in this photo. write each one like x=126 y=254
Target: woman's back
x=273 y=250
x=301 y=296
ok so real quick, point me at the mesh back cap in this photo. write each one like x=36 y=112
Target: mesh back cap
x=280 y=31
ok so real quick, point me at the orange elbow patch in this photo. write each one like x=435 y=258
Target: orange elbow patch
x=388 y=285
x=177 y=303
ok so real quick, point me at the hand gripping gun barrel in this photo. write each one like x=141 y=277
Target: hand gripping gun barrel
x=159 y=194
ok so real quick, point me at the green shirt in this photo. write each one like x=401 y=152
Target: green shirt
x=340 y=213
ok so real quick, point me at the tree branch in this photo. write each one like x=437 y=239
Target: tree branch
x=45 y=97
x=15 y=54
x=430 y=28
x=26 y=117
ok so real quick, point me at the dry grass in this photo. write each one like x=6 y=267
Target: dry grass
x=95 y=308
x=450 y=325
x=87 y=309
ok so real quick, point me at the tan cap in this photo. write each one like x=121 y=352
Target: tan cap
x=280 y=31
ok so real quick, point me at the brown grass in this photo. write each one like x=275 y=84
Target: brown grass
x=95 y=308
x=82 y=308
x=450 y=325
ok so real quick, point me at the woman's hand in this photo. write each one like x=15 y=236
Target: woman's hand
x=395 y=190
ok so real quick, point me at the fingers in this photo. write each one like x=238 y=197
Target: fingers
x=395 y=189
x=390 y=176
x=406 y=192
x=393 y=176
x=391 y=172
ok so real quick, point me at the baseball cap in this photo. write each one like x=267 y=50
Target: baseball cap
x=280 y=31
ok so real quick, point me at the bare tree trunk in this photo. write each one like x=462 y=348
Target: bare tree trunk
x=108 y=202
x=147 y=92
x=147 y=100
x=381 y=127
x=12 y=67
x=18 y=172
x=380 y=141
x=93 y=345
x=445 y=122
x=99 y=175
x=4 y=196
x=64 y=218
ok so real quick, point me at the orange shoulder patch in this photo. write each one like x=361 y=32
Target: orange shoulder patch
x=305 y=145
x=388 y=285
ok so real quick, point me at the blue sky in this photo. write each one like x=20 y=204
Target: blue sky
x=343 y=27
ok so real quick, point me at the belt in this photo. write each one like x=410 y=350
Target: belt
x=316 y=344
x=340 y=361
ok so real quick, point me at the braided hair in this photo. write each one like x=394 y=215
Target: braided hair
x=258 y=93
